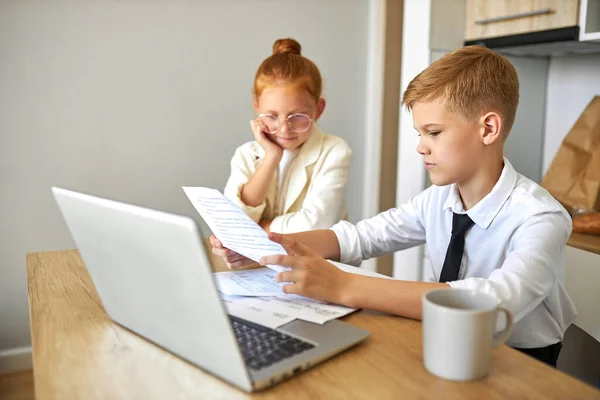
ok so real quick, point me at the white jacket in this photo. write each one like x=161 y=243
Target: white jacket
x=316 y=184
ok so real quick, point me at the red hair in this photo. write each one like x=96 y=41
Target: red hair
x=287 y=66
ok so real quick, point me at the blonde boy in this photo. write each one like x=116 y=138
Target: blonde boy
x=485 y=226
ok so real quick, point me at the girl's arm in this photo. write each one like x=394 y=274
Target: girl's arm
x=247 y=187
x=254 y=191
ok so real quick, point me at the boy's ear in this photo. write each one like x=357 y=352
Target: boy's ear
x=320 y=107
x=492 y=126
x=255 y=105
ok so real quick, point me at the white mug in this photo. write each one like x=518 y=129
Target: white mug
x=458 y=332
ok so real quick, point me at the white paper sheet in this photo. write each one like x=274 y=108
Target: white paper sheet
x=302 y=307
x=250 y=282
x=236 y=230
x=297 y=307
x=259 y=315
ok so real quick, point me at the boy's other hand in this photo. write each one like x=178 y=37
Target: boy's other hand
x=311 y=275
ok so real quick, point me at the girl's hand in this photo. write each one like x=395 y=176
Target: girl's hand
x=312 y=275
x=232 y=259
x=265 y=224
x=272 y=149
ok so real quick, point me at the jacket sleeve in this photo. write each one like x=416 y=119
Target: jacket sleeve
x=242 y=168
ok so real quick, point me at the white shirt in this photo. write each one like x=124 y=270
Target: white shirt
x=283 y=168
x=514 y=251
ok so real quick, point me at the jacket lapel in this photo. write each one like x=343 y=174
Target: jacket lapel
x=309 y=154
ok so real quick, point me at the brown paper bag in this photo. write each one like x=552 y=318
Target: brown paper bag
x=574 y=175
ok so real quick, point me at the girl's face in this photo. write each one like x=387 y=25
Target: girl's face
x=288 y=114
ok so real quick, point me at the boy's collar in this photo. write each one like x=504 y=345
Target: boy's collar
x=484 y=212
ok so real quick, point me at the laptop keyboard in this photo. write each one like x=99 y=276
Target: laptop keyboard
x=262 y=346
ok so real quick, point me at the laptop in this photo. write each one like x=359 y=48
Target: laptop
x=154 y=278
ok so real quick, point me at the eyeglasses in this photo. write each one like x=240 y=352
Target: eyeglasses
x=296 y=122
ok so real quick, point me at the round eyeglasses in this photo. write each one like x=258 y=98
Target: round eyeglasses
x=296 y=122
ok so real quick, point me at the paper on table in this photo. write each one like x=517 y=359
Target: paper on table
x=236 y=230
x=256 y=288
x=262 y=316
x=250 y=282
x=295 y=306
x=302 y=307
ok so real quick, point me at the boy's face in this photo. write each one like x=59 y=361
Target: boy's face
x=450 y=145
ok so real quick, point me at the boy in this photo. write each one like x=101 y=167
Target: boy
x=485 y=226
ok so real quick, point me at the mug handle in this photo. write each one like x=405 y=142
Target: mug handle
x=508 y=330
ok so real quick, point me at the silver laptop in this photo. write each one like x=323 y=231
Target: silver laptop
x=154 y=278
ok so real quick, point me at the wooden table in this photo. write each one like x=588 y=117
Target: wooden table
x=79 y=353
x=585 y=242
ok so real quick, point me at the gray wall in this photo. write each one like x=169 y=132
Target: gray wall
x=524 y=145
x=573 y=81
x=130 y=100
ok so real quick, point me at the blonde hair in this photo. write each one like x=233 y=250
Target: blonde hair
x=287 y=66
x=470 y=80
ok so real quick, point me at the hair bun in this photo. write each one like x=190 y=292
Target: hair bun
x=286 y=46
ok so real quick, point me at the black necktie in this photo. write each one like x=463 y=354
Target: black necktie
x=460 y=225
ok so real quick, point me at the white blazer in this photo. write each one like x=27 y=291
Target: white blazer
x=316 y=184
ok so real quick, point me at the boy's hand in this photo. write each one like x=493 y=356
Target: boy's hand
x=232 y=259
x=272 y=149
x=312 y=275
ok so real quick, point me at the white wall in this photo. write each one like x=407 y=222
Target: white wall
x=432 y=28
x=410 y=179
x=131 y=100
x=525 y=142
x=572 y=83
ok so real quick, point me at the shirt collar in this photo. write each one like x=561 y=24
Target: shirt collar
x=484 y=212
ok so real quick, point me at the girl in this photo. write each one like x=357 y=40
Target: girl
x=292 y=177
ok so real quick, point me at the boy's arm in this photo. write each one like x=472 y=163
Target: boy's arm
x=313 y=276
x=324 y=242
x=403 y=298
x=387 y=232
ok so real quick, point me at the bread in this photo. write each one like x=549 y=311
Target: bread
x=587 y=223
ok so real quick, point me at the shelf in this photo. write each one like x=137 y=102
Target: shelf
x=582 y=241
x=552 y=42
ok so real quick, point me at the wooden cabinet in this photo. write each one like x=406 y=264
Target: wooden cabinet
x=491 y=18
